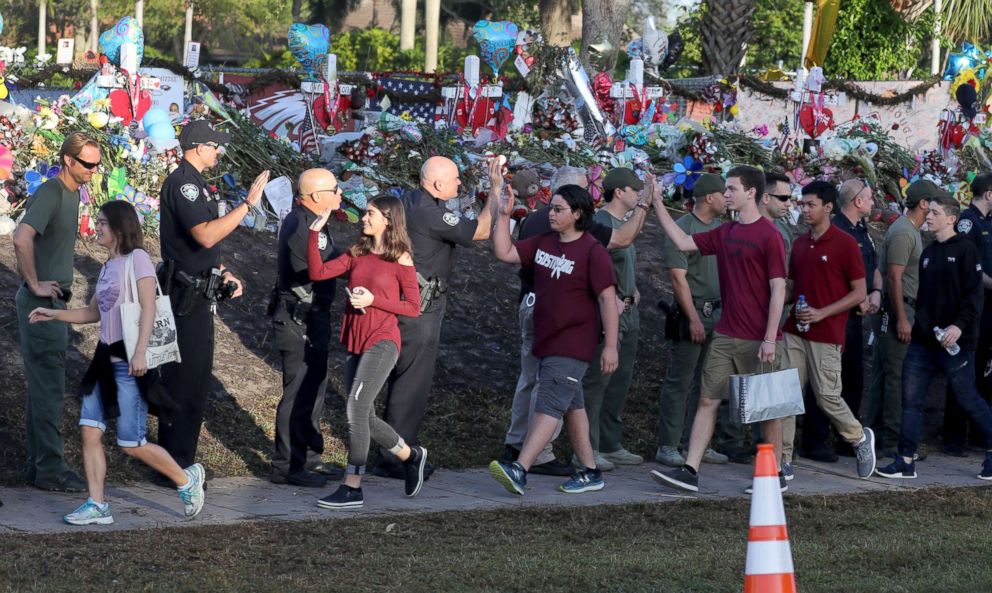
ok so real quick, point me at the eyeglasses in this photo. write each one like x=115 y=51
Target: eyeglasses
x=782 y=197
x=335 y=189
x=559 y=209
x=85 y=164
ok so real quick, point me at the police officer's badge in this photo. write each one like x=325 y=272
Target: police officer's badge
x=450 y=218
x=190 y=191
x=322 y=241
x=964 y=226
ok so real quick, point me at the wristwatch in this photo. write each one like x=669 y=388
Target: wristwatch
x=646 y=207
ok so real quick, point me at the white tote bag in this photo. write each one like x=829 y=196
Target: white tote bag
x=765 y=396
x=162 y=345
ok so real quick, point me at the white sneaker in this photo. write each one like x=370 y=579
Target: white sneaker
x=710 y=455
x=602 y=464
x=623 y=457
x=669 y=456
x=192 y=493
x=90 y=513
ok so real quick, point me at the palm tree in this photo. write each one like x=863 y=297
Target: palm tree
x=726 y=30
x=967 y=19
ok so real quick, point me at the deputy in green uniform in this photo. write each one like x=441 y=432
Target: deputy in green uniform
x=605 y=394
x=899 y=261
x=44 y=243
x=697 y=295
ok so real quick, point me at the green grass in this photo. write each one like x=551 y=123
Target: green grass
x=933 y=540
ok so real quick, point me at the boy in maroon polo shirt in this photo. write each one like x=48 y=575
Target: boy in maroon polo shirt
x=750 y=256
x=826 y=268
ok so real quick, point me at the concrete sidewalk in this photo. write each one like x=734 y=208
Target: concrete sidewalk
x=237 y=500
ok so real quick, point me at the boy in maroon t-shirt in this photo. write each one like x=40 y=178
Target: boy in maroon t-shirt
x=570 y=266
x=826 y=270
x=750 y=256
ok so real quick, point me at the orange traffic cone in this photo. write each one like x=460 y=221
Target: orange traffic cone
x=769 y=558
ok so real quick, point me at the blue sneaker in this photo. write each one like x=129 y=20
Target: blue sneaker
x=192 y=493
x=986 y=473
x=787 y=472
x=898 y=469
x=512 y=476
x=90 y=513
x=584 y=480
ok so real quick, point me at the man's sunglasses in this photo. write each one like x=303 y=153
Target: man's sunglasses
x=89 y=166
x=782 y=197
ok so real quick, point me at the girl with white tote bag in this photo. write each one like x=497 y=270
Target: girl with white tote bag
x=114 y=376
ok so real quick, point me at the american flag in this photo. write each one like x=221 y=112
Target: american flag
x=423 y=111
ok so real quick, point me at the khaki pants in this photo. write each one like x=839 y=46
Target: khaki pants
x=820 y=364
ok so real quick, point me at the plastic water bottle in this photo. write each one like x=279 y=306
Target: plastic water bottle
x=801 y=306
x=953 y=350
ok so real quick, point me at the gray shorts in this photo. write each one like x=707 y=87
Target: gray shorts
x=559 y=386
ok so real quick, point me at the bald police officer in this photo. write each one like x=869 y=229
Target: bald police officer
x=435 y=232
x=192 y=272
x=301 y=323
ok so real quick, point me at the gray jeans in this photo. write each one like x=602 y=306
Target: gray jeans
x=365 y=374
x=526 y=393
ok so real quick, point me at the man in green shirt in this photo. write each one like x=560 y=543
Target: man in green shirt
x=623 y=191
x=899 y=262
x=696 y=285
x=43 y=243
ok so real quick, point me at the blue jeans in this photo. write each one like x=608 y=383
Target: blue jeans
x=133 y=422
x=918 y=370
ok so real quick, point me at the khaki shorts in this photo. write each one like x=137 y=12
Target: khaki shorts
x=732 y=356
x=816 y=362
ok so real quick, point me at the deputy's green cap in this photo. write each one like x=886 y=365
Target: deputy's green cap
x=622 y=177
x=708 y=183
x=924 y=189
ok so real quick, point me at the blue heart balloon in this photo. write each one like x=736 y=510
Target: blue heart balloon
x=496 y=40
x=307 y=43
x=126 y=30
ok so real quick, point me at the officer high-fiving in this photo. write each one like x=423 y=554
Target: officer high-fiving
x=195 y=278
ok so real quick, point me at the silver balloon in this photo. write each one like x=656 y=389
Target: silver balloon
x=579 y=89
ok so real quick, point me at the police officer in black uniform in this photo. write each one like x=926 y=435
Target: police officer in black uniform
x=975 y=224
x=193 y=276
x=435 y=232
x=301 y=320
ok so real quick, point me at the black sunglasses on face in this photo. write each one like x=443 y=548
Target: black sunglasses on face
x=782 y=197
x=89 y=166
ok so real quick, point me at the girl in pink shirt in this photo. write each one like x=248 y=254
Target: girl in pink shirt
x=118 y=230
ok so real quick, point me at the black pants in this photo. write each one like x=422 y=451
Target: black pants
x=303 y=350
x=187 y=382
x=959 y=431
x=816 y=425
x=411 y=379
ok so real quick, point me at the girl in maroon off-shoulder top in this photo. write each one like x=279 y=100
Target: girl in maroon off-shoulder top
x=382 y=284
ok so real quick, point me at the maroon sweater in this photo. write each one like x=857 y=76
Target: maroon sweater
x=387 y=281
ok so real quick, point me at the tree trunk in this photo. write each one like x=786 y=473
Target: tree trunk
x=602 y=26
x=297 y=7
x=726 y=29
x=556 y=22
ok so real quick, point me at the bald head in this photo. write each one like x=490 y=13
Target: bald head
x=854 y=198
x=439 y=177
x=319 y=190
